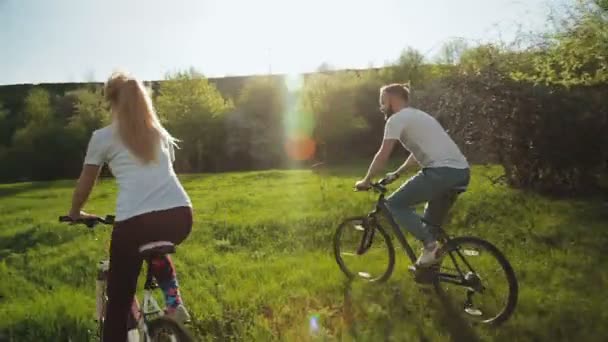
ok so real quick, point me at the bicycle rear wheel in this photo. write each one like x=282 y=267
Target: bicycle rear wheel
x=475 y=273
x=363 y=250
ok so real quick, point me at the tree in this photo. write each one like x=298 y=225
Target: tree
x=43 y=149
x=4 y=127
x=576 y=53
x=409 y=67
x=38 y=107
x=91 y=111
x=256 y=130
x=332 y=99
x=192 y=109
x=451 y=51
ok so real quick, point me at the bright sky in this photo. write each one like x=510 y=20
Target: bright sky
x=81 y=40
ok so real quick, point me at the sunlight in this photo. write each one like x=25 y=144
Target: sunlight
x=299 y=144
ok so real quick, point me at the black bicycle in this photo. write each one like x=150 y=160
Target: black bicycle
x=470 y=267
x=146 y=322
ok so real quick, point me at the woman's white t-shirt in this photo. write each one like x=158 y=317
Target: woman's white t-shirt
x=142 y=188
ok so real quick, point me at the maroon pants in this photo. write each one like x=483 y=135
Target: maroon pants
x=125 y=262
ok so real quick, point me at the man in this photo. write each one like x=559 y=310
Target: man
x=443 y=168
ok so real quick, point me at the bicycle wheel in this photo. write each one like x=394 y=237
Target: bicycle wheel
x=363 y=253
x=488 y=287
x=165 y=329
x=101 y=312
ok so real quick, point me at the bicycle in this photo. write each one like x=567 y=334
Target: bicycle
x=461 y=274
x=148 y=322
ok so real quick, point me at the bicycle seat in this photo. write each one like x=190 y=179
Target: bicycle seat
x=156 y=248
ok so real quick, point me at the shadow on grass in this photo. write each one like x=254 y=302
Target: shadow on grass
x=15 y=189
x=445 y=313
x=21 y=242
x=451 y=317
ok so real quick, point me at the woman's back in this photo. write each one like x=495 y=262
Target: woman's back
x=143 y=187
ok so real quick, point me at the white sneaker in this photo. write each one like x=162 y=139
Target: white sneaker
x=180 y=314
x=430 y=255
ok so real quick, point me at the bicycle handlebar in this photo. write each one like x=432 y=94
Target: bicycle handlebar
x=380 y=186
x=89 y=222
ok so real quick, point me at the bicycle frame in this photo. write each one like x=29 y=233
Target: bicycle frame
x=382 y=209
x=140 y=315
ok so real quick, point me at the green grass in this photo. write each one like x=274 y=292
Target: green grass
x=258 y=264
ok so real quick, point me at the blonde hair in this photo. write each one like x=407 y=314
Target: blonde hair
x=138 y=126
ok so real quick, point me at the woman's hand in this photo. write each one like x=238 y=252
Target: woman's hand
x=80 y=215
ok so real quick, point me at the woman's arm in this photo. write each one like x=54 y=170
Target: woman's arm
x=85 y=184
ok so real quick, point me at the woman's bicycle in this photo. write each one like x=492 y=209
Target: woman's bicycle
x=147 y=322
x=364 y=250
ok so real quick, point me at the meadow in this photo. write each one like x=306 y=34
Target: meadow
x=259 y=265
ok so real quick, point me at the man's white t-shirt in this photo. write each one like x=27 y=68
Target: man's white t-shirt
x=142 y=188
x=423 y=136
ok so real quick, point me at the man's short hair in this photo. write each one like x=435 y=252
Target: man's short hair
x=401 y=90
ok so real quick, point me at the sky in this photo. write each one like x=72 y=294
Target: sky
x=85 y=40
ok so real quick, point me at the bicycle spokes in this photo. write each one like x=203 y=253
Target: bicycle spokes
x=363 y=251
x=479 y=277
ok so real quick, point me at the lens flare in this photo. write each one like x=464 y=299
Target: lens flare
x=299 y=125
x=314 y=324
x=300 y=148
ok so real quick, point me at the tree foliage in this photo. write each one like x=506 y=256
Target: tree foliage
x=255 y=132
x=192 y=108
x=577 y=52
x=541 y=113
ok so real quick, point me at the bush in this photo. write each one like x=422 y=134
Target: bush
x=548 y=138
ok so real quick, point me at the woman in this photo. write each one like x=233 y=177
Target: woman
x=151 y=206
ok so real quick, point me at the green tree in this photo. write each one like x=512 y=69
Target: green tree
x=91 y=111
x=256 y=129
x=576 y=53
x=408 y=68
x=4 y=127
x=43 y=149
x=38 y=108
x=451 y=51
x=192 y=109
x=332 y=99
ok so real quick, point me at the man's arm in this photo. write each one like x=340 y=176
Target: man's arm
x=410 y=161
x=380 y=159
x=83 y=189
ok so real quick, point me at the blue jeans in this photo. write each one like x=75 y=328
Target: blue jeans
x=434 y=186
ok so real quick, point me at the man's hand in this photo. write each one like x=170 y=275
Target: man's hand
x=363 y=184
x=391 y=176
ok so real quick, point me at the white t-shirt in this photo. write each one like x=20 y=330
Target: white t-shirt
x=423 y=136
x=142 y=188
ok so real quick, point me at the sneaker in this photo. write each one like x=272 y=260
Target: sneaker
x=430 y=255
x=179 y=314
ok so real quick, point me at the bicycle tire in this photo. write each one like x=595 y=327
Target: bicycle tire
x=168 y=324
x=513 y=292
x=387 y=240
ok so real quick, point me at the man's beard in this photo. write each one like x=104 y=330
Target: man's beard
x=388 y=111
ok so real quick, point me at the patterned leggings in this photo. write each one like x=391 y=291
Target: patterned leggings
x=125 y=263
x=164 y=273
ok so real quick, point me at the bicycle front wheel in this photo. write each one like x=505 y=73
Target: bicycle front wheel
x=477 y=275
x=166 y=329
x=364 y=250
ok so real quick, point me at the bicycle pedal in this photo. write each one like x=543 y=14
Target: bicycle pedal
x=425 y=275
